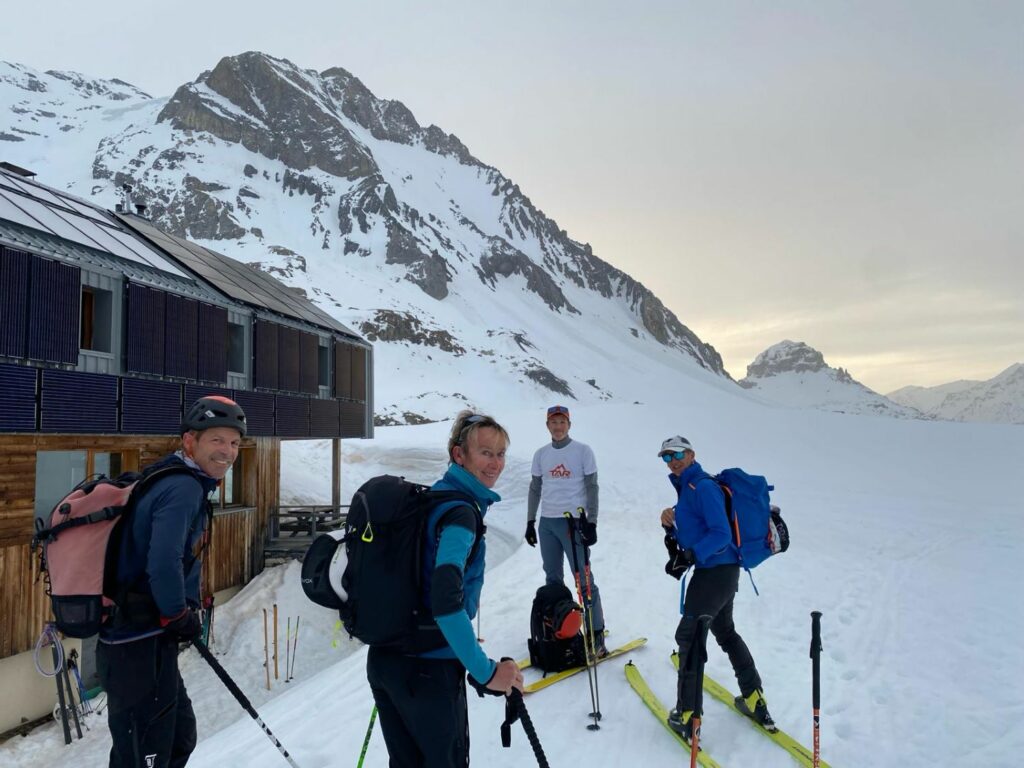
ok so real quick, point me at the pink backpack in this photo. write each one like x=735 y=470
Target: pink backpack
x=79 y=548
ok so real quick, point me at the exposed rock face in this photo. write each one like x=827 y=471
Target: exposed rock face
x=388 y=325
x=786 y=357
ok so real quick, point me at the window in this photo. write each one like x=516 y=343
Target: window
x=57 y=472
x=236 y=348
x=96 y=319
x=231 y=492
x=324 y=365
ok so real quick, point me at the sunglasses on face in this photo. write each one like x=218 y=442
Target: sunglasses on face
x=677 y=455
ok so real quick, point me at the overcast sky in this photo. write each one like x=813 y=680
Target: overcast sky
x=848 y=174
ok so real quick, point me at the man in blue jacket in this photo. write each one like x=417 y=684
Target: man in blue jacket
x=421 y=699
x=158 y=575
x=697 y=534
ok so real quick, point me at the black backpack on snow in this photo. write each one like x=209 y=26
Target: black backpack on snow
x=556 y=642
x=372 y=571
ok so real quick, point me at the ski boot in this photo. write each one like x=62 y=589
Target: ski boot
x=755 y=707
x=681 y=723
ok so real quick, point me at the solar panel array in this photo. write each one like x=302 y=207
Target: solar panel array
x=238 y=280
x=47 y=210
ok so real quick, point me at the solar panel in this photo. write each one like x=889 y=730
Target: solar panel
x=17 y=398
x=45 y=210
x=237 y=280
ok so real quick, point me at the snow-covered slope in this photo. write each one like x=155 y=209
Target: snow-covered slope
x=920 y=633
x=796 y=375
x=394 y=228
x=999 y=400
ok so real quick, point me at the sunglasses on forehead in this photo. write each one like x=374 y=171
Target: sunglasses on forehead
x=676 y=455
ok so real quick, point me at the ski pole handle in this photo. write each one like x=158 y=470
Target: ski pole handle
x=816 y=683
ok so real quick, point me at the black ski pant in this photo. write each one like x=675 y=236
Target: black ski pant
x=149 y=713
x=422 y=708
x=711 y=592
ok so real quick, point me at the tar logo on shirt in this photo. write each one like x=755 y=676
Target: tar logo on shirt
x=561 y=471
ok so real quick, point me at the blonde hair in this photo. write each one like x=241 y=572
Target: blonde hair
x=468 y=422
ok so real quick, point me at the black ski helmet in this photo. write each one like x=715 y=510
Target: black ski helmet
x=214 y=411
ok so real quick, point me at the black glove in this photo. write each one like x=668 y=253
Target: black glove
x=588 y=532
x=671 y=545
x=531 y=533
x=679 y=563
x=481 y=688
x=186 y=626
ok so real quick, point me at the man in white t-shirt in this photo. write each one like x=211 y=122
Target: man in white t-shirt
x=564 y=480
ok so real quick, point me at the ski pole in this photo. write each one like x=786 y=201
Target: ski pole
x=590 y=613
x=816 y=682
x=288 y=649
x=275 y=642
x=515 y=709
x=587 y=643
x=295 y=647
x=366 y=741
x=240 y=698
x=699 y=655
x=266 y=649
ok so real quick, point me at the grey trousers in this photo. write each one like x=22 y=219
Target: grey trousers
x=553 y=535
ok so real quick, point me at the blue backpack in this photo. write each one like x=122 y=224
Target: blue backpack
x=758 y=530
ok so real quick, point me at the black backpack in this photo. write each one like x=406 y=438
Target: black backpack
x=372 y=571
x=556 y=642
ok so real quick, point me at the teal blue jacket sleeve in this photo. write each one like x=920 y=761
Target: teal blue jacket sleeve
x=448 y=602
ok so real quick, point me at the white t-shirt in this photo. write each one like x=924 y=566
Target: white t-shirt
x=561 y=471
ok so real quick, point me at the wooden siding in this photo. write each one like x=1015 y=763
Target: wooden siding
x=236 y=549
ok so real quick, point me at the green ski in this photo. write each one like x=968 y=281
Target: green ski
x=638 y=684
x=544 y=682
x=798 y=751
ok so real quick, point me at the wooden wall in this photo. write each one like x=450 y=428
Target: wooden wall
x=236 y=549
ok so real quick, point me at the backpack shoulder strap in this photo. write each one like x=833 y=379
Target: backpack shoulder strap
x=447 y=502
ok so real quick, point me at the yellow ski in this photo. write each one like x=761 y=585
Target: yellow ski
x=798 y=751
x=544 y=682
x=638 y=684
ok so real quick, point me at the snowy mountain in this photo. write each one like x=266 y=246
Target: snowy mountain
x=796 y=375
x=998 y=400
x=393 y=227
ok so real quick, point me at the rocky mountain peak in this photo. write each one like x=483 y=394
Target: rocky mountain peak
x=786 y=357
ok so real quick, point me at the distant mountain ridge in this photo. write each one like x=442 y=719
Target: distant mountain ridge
x=997 y=400
x=796 y=375
x=344 y=195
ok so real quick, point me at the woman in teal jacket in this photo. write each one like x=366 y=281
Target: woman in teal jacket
x=421 y=699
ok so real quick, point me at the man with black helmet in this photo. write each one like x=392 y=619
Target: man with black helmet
x=159 y=567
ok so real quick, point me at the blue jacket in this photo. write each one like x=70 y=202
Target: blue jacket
x=161 y=548
x=701 y=521
x=452 y=584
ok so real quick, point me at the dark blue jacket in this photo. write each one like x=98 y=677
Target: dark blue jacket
x=161 y=548
x=452 y=584
x=701 y=521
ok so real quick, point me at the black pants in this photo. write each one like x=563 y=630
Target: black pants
x=421 y=704
x=711 y=592
x=149 y=713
